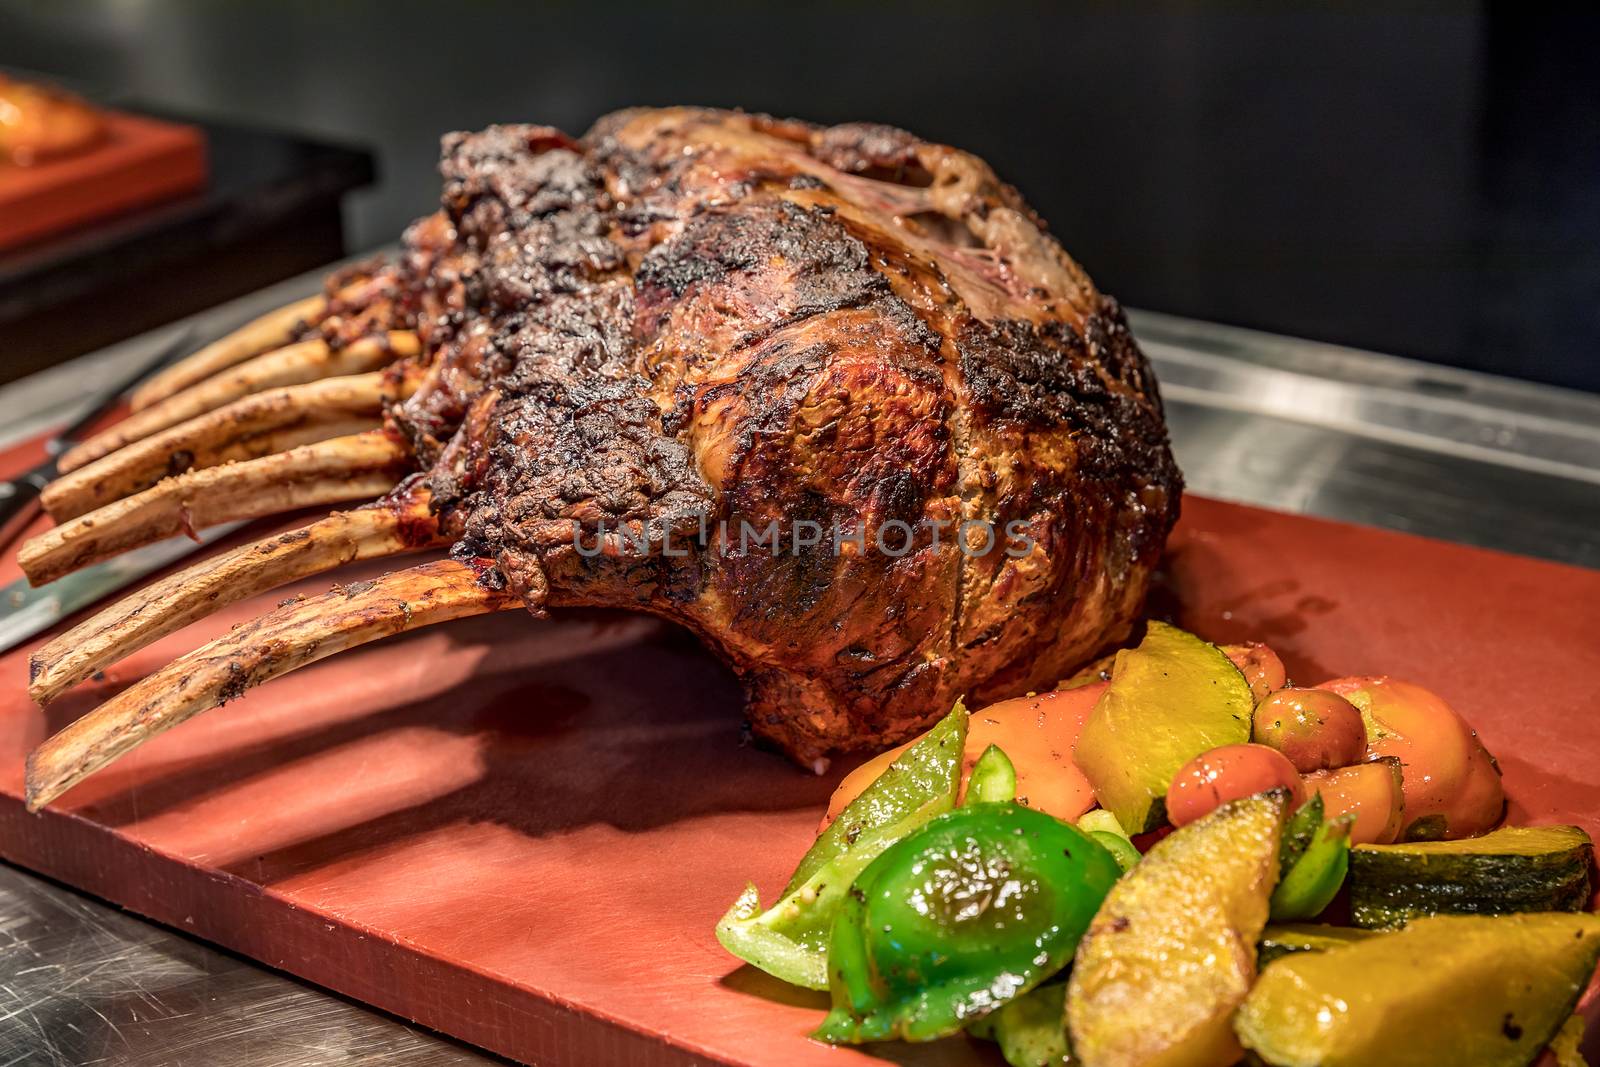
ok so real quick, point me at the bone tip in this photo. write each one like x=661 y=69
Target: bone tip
x=151 y=392
x=39 y=788
x=42 y=688
x=27 y=557
x=31 y=556
x=39 y=688
x=75 y=457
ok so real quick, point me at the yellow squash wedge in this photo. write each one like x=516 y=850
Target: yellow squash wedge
x=1478 y=990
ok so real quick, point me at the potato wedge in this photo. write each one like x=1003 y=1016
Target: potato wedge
x=1171 y=953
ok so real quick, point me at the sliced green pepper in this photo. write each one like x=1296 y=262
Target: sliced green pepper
x=1122 y=850
x=1103 y=827
x=790 y=939
x=970 y=911
x=929 y=768
x=1100 y=819
x=1030 y=1029
x=993 y=779
x=1312 y=877
x=1297 y=834
x=1312 y=863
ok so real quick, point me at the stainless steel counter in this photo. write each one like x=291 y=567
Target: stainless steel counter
x=83 y=983
x=1256 y=418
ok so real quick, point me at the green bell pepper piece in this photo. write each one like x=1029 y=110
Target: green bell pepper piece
x=1121 y=849
x=1312 y=881
x=1103 y=827
x=993 y=780
x=967 y=913
x=1297 y=834
x=929 y=768
x=1030 y=1030
x=790 y=939
x=1100 y=819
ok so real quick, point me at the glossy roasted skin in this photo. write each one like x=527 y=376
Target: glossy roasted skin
x=694 y=324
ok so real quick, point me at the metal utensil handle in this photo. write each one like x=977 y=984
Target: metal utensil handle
x=19 y=496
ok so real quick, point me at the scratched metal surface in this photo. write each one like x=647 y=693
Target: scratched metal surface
x=1255 y=418
x=82 y=983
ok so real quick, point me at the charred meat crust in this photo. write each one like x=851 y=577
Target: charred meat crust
x=690 y=320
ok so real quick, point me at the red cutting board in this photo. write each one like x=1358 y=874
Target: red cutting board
x=140 y=161
x=521 y=833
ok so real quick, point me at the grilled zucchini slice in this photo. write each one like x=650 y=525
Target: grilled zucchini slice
x=1513 y=869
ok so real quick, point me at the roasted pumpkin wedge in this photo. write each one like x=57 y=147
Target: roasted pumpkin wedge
x=1513 y=869
x=1566 y=1048
x=1485 y=991
x=1172 y=951
x=1170 y=699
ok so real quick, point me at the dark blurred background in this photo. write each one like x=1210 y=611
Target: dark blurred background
x=1418 y=180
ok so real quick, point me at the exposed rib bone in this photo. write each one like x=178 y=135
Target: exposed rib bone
x=258 y=425
x=385 y=529
x=307 y=361
x=346 y=468
x=272 y=330
x=294 y=635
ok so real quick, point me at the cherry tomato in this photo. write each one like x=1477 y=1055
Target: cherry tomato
x=1316 y=729
x=1213 y=778
x=1260 y=666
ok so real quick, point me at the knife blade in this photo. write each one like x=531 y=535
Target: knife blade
x=19 y=496
x=26 y=611
x=19 y=499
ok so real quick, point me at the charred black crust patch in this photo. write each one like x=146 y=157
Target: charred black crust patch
x=518 y=172
x=831 y=269
x=581 y=462
x=1052 y=375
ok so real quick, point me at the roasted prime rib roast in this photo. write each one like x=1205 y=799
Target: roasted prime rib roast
x=830 y=397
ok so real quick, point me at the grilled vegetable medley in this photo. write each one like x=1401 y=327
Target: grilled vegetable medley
x=1178 y=859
